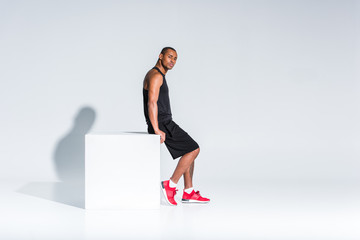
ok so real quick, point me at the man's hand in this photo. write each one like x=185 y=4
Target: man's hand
x=162 y=135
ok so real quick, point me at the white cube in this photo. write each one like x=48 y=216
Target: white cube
x=122 y=171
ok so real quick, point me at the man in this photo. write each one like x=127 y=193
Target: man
x=159 y=120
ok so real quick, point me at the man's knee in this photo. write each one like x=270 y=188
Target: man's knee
x=197 y=151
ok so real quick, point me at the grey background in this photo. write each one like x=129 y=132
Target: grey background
x=269 y=89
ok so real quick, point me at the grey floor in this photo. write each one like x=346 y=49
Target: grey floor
x=238 y=210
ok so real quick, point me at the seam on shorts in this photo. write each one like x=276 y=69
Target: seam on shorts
x=168 y=131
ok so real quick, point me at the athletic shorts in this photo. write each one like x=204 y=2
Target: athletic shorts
x=177 y=141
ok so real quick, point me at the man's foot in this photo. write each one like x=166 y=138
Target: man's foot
x=169 y=192
x=194 y=197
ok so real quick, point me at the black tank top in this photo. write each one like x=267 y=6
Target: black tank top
x=164 y=110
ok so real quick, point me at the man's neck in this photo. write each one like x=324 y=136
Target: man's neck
x=162 y=69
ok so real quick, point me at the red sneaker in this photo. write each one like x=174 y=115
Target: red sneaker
x=169 y=192
x=194 y=197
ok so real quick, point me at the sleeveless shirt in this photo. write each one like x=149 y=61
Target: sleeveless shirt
x=163 y=103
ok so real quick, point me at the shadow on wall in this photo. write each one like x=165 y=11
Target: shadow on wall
x=69 y=155
x=69 y=160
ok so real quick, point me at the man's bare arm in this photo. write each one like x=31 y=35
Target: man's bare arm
x=155 y=83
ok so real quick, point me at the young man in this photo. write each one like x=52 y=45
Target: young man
x=159 y=120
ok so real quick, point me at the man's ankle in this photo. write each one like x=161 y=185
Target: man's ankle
x=172 y=184
x=189 y=190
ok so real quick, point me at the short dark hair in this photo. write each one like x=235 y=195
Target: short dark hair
x=163 y=51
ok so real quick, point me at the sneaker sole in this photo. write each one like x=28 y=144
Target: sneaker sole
x=193 y=201
x=164 y=192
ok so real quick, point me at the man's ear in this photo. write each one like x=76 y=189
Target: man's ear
x=161 y=56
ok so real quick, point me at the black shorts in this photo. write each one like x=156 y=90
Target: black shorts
x=177 y=141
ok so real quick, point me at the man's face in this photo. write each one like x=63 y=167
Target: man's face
x=168 y=59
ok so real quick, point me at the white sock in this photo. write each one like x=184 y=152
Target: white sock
x=189 y=190
x=172 y=184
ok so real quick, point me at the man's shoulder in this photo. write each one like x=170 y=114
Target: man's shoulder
x=154 y=75
x=154 y=71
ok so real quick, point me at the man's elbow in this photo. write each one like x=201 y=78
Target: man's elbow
x=152 y=103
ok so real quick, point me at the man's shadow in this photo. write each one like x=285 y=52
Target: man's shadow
x=69 y=162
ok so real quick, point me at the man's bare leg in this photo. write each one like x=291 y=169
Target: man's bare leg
x=188 y=176
x=184 y=164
